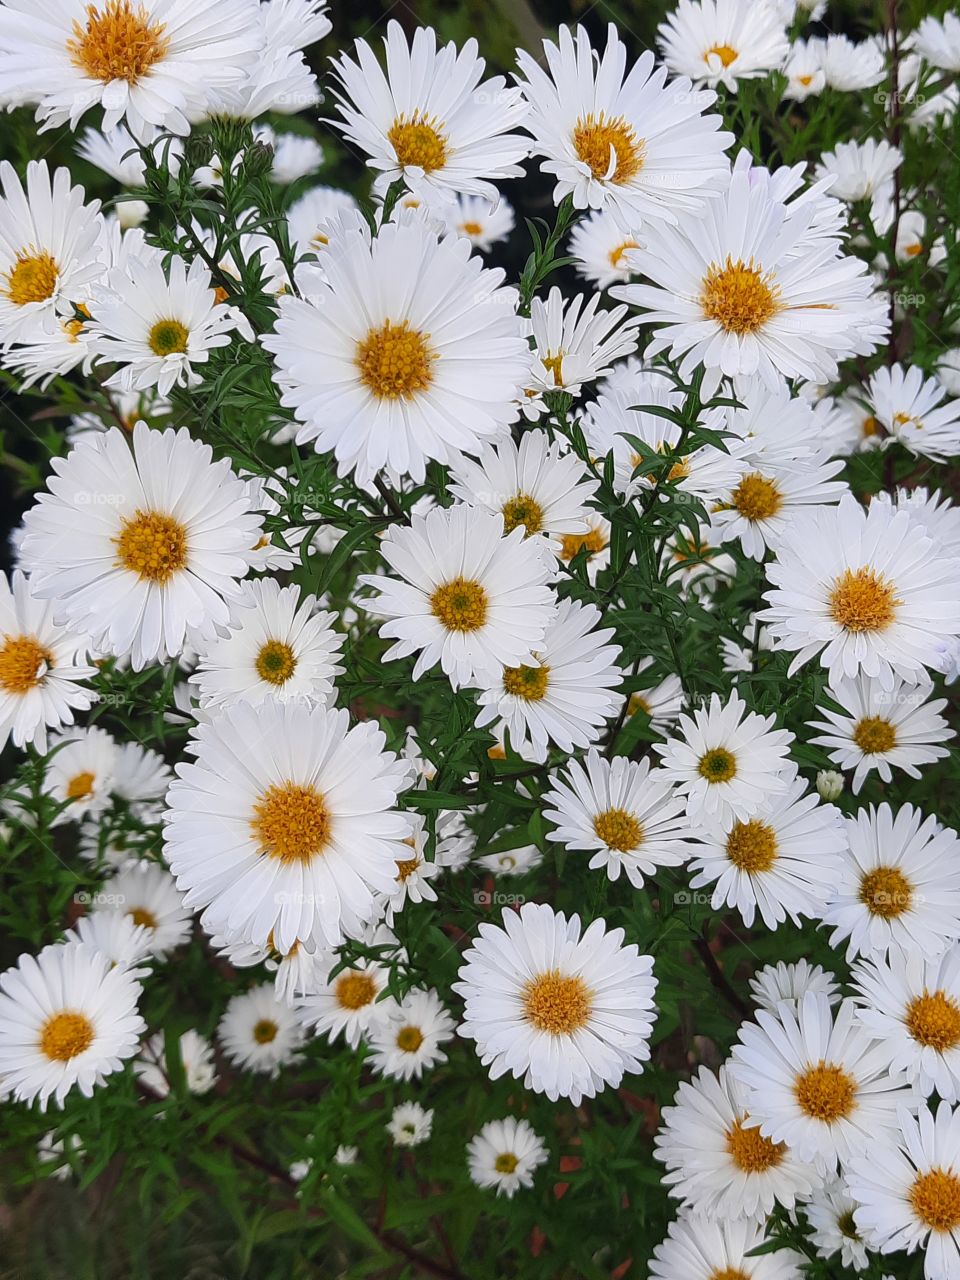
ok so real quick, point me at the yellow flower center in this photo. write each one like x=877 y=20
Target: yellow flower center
x=603 y=144
x=638 y=703
x=291 y=822
x=276 y=662
x=65 y=1035
x=152 y=545
x=934 y=1020
x=806 y=81
x=557 y=1004
x=409 y=1039
x=140 y=915
x=265 y=1031
x=935 y=1199
x=528 y=683
x=522 y=509
x=419 y=142
x=874 y=735
x=355 y=990
x=729 y=1273
x=506 y=1162
x=718 y=765
x=752 y=846
x=616 y=254
x=395 y=361
x=168 y=337
x=571 y=544
x=405 y=869
x=460 y=605
x=117 y=43
x=554 y=366
x=725 y=52
x=471 y=228
x=886 y=892
x=22 y=663
x=81 y=785
x=738 y=296
x=869 y=426
x=756 y=497
x=750 y=1151
x=862 y=601
x=914 y=249
x=32 y=278
x=826 y=1092
x=618 y=830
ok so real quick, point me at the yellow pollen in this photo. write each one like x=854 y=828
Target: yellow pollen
x=718 y=765
x=935 y=1199
x=506 y=1162
x=496 y=752
x=886 y=892
x=728 y=1273
x=738 y=296
x=32 y=278
x=826 y=1092
x=618 y=830
x=395 y=361
x=471 y=228
x=862 y=601
x=603 y=144
x=573 y=543
x=22 y=663
x=409 y=1039
x=168 y=337
x=869 y=427
x=152 y=545
x=724 y=52
x=419 y=142
x=522 y=509
x=291 y=822
x=117 y=43
x=140 y=915
x=265 y=1031
x=638 y=703
x=934 y=1020
x=557 y=1004
x=460 y=605
x=616 y=254
x=276 y=662
x=406 y=868
x=220 y=295
x=65 y=1035
x=806 y=81
x=528 y=683
x=913 y=249
x=874 y=735
x=554 y=366
x=73 y=330
x=750 y=1151
x=355 y=990
x=752 y=846
x=80 y=786
x=756 y=497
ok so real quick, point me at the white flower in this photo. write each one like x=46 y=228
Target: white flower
x=314 y=219
x=815 y=1080
x=79 y=772
x=661 y=703
x=861 y=170
x=348 y=1002
x=141 y=778
x=295 y=155
x=286 y=825
x=468 y=597
x=511 y=862
x=477 y=220
x=504 y=1155
x=68 y=1017
x=258 y=1032
x=791 y=982
x=413 y=873
x=882 y=729
x=804 y=70
x=916 y=412
x=900 y=885
x=939 y=41
x=866 y=590
x=695 y=1250
x=723 y=41
x=117 y=153
x=624 y=140
x=829 y=784
x=345 y=1155
x=718 y=1162
x=765 y=498
x=939 y=516
x=627 y=815
x=407 y=350
x=601 y=249
x=830 y=1212
x=116 y=936
x=728 y=761
x=65 y=1152
x=406 y=1042
x=146 y=893
x=566 y=1013
x=852 y=65
x=137 y=546
x=410 y=1125
x=430 y=120
x=196 y=1056
x=574 y=343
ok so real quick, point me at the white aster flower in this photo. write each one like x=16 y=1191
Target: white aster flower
x=696 y=1250
x=314 y=219
x=762 y=503
x=601 y=249
x=916 y=411
x=406 y=1042
x=258 y=1032
x=196 y=1057
x=661 y=703
x=348 y=1002
x=505 y=1155
x=477 y=220
x=116 y=936
x=593 y=546
x=410 y=1125
x=723 y=41
x=774 y=983
x=574 y=343
x=939 y=516
x=146 y=893
x=79 y=772
x=861 y=170
x=804 y=70
x=830 y=1213
x=295 y=155
x=938 y=41
x=511 y=862
x=117 y=153
x=852 y=66
x=413 y=873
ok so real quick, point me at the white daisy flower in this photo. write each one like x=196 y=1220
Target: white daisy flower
x=146 y=893
x=68 y=1017
x=280 y=647
x=196 y=1057
x=430 y=120
x=455 y=841
x=468 y=597
x=718 y=1162
x=116 y=936
x=117 y=153
x=860 y=170
x=286 y=825
x=618 y=139
x=566 y=1013
x=567 y=696
x=728 y=761
x=108 y=848
x=852 y=66
x=79 y=772
x=907 y=1189
x=505 y=1155
x=314 y=219
x=744 y=290
x=627 y=815
x=723 y=41
x=882 y=729
x=49 y=242
x=916 y=412
x=407 y=1041
x=411 y=882
x=900 y=885
x=408 y=350
x=938 y=41
x=815 y=1080
x=791 y=982
x=152 y=64
x=138 y=546
x=761 y=504
x=594 y=545
x=601 y=249
x=511 y=862
x=258 y=1032
x=348 y=1002
x=574 y=343
x=939 y=516
x=695 y=1250
x=295 y=155
x=775 y=426
x=833 y=1228
x=477 y=220
x=866 y=590
x=804 y=70
x=409 y=1125
x=661 y=703
x=42 y=667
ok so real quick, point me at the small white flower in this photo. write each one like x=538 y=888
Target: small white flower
x=504 y=1155
x=406 y=1042
x=410 y=1125
x=258 y=1032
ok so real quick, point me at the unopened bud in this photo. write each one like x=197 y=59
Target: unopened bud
x=829 y=784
